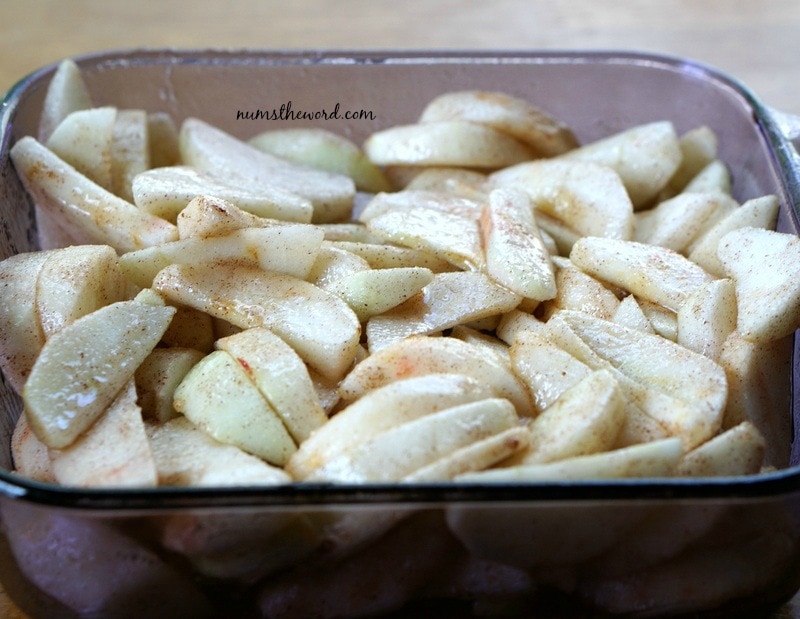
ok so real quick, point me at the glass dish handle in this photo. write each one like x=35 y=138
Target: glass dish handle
x=789 y=125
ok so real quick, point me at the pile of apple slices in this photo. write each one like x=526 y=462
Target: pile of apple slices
x=511 y=306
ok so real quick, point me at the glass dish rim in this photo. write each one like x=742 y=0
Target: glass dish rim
x=767 y=485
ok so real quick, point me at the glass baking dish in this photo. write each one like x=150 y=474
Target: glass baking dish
x=647 y=547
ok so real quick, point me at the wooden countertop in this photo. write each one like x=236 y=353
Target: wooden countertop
x=756 y=41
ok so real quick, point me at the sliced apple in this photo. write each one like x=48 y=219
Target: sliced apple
x=157 y=378
x=75 y=281
x=457 y=143
x=409 y=199
x=290 y=249
x=714 y=177
x=377 y=411
x=585 y=419
x=21 y=332
x=588 y=197
x=185 y=455
x=737 y=451
x=66 y=93
x=130 y=151
x=380 y=256
x=759 y=212
x=212 y=150
x=449 y=300
x=650 y=272
x=421 y=355
x=81 y=206
x=451 y=237
x=374 y=291
x=515 y=252
x=82 y=367
x=543 y=133
x=30 y=457
x=333 y=263
x=645 y=157
x=166 y=191
x=708 y=317
x=218 y=396
x=280 y=375
x=321 y=327
x=579 y=291
x=763 y=264
x=323 y=150
x=162 y=139
x=211 y=216
x=114 y=452
x=698 y=149
x=84 y=139
x=401 y=450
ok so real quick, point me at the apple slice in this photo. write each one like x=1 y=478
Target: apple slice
x=162 y=139
x=708 y=317
x=164 y=192
x=737 y=451
x=763 y=264
x=371 y=292
x=588 y=197
x=82 y=367
x=409 y=199
x=83 y=139
x=585 y=419
x=379 y=410
x=645 y=157
x=401 y=450
x=81 y=206
x=212 y=150
x=543 y=133
x=650 y=272
x=280 y=375
x=113 y=452
x=333 y=263
x=455 y=143
x=30 y=457
x=157 y=378
x=321 y=327
x=453 y=238
x=130 y=151
x=66 y=93
x=289 y=248
x=21 y=332
x=185 y=455
x=420 y=355
x=75 y=281
x=219 y=397
x=323 y=150
x=380 y=256
x=515 y=252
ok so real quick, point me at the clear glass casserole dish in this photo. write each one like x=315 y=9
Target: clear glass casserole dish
x=648 y=547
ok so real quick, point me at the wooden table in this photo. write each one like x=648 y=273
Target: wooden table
x=756 y=41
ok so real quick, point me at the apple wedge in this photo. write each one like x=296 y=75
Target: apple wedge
x=401 y=450
x=207 y=148
x=409 y=199
x=371 y=292
x=289 y=248
x=333 y=263
x=650 y=272
x=21 y=332
x=759 y=212
x=321 y=327
x=737 y=451
x=114 y=452
x=380 y=256
x=75 y=281
x=645 y=157
x=763 y=265
x=543 y=133
x=453 y=143
x=419 y=355
x=157 y=378
x=83 y=139
x=185 y=455
x=164 y=192
x=708 y=317
x=66 y=93
x=218 y=396
x=162 y=138
x=515 y=252
x=579 y=291
x=281 y=376
x=83 y=207
x=449 y=300
x=683 y=390
x=588 y=197
x=83 y=366
x=453 y=238
x=30 y=457
x=323 y=150
x=379 y=410
x=585 y=419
